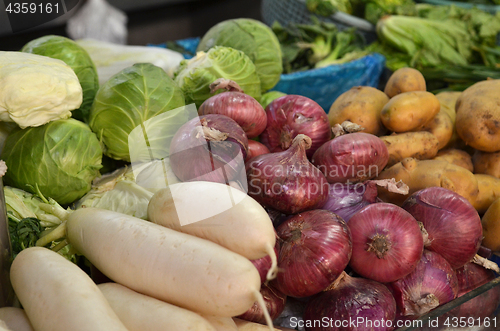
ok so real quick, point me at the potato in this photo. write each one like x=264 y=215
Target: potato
x=456 y=156
x=409 y=111
x=486 y=163
x=440 y=126
x=478 y=116
x=420 y=174
x=491 y=227
x=405 y=80
x=361 y=105
x=489 y=191
x=420 y=145
x=447 y=100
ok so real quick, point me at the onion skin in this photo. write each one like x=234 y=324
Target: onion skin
x=433 y=278
x=315 y=249
x=287 y=181
x=255 y=148
x=195 y=156
x=453 y=225
x=275 y=304
x=290 y=115
x=346 y=200
x=351 y=299
x=241 y=107
x=387 y=242
x=352 y=157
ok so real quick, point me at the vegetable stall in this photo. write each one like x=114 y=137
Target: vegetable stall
x=193 y=186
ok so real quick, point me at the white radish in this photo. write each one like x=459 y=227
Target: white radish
x=15 y=319
x=168 y=265
x=219 y=213
x=139 y=312
x=243 y=325
x=4 y=326
x=59 y=296
x=221 y=323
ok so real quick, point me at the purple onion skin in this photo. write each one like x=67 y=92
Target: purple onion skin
x=255 y=148
x=315 y=249
x=433 y=275
x=352 y=157
x=290 y=115
x=287 y=181
x=192 y=157
x=347 y=199
x=241 y=107
x=453 y=224
x=382 y=224
x=352 y=299
x=275 y=303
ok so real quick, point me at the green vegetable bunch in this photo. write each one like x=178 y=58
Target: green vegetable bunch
x=329 y=7
x=376 y=9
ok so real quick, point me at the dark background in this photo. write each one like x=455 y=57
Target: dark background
x=160 y=21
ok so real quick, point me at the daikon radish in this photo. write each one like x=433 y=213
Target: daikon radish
x=59 y=296
x=4 y=327
x=221 y=323
x=15 y=319
x=233 y=219
x=251 y=326
x=168 y=265
x=139 y=312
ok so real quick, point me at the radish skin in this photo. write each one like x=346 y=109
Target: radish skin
x=59 y=296
x=244 y=228
x=4 y=327
x=15 y=319
x=243 y=325
x=168 y=265
x=221 y=323
x=139 y=312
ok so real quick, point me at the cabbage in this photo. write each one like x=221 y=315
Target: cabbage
x=128 y=100
x=194 y=76
x=268 y=97
x=77 y=58
x=60 y=158
x=255 y=39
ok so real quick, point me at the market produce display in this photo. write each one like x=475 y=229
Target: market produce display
x=260 y=210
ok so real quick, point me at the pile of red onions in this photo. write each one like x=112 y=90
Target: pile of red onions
x=290 y=115
x=315 y=249
x=351 y=303
x=210 y=148
x=452 y=223
x=352 y=157
x=387 y=242
x=241 y=107
x=274 y=301
x=287 y=181
x=432 y=283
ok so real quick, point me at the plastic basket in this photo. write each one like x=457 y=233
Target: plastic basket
x=286 y=11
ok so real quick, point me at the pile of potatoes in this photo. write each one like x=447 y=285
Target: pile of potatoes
x=449 y=139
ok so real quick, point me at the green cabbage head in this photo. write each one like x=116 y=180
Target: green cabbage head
x=255 y=39
x=61 y=158
x=129 y=99
x=78 y=59
x=194 y=76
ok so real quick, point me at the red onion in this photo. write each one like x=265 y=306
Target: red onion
x=290 y=115
x=315 y=249
x=453 y=225
x=470 y=277
x=275 y=303
x=287 y=181
x=208 y=148
x=432 y=283
x=264 y=263
x=241 y=107
x=255 y=148
x=352 y=157
x=346 y=200
x=351 y=303
x=387 y=242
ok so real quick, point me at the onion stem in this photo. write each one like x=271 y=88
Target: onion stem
x=260 y=301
